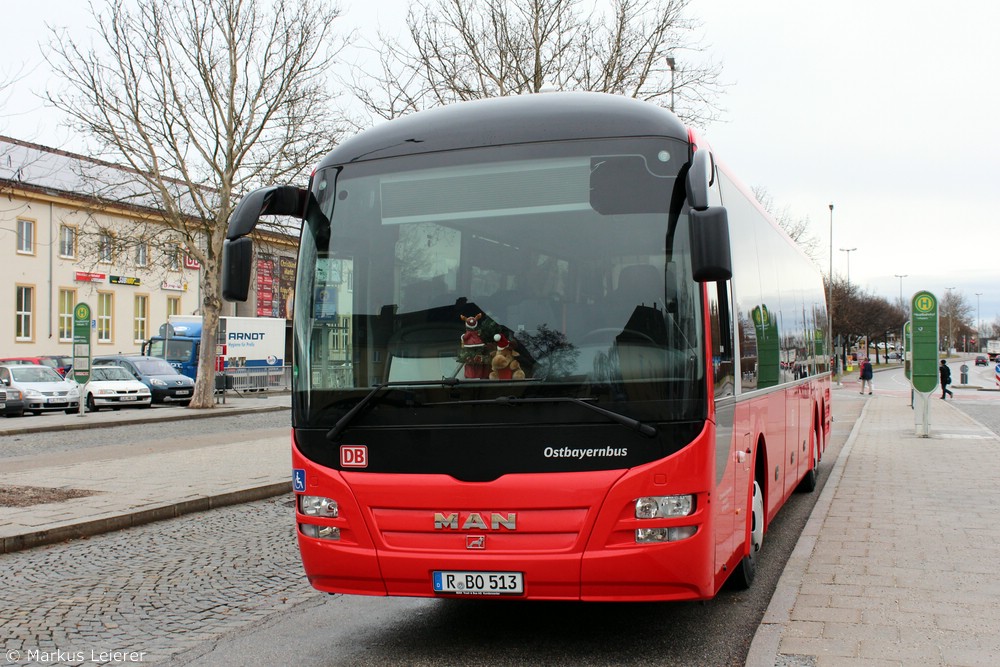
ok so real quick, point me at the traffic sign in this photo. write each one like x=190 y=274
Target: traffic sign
x=924 y=341
x=923 y=356
x=81 y=343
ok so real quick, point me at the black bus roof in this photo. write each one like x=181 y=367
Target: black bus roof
x=501 y=121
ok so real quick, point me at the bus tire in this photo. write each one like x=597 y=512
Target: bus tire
x=808 y=483
x=745 y=572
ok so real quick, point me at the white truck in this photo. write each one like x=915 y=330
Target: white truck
x=252 y=347
x=993 y=349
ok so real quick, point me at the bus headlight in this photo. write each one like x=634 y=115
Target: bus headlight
x=649 y=535
x=320 y=532
x=318 y=506
x=664 y=507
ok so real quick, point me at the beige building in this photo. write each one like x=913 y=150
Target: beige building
x=60 y=246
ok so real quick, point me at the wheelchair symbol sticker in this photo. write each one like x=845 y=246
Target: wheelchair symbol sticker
x=298 y=479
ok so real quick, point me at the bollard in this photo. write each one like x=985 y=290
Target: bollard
x=965 y=373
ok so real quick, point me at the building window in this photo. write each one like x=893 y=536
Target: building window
x=105 y=247
x=67 y=241
x=67 y=301
x=23 y=313
x=25 y=237
x=141 y=253
x=174 y=259
x=140 y=325
x=173 y=306
x=105 y=316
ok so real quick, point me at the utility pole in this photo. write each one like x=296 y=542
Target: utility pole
x=671 y=62
x=829 y=302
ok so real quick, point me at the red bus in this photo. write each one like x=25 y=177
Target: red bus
x=545 y=347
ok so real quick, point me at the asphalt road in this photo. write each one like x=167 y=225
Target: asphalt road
x=166 y=434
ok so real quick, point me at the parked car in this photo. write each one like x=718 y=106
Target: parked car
x=57 y=362
x=981 y=360
x=11 y=402
x=43 y=388
x=114 y=387
x=165 y=382
x=60 y=362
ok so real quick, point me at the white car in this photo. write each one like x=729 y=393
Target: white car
x=43 y=388
x=114 y=387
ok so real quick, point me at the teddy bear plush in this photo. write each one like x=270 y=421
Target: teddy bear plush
x=472 y=352
x=503 y=363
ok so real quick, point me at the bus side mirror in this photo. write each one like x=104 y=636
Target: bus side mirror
x=237 y=251
x=700 y=176
x=274 y=200
x=237 y=262
x=711 y=256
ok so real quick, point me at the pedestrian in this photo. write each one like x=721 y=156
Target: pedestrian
x=945 y=374
x=866 y=376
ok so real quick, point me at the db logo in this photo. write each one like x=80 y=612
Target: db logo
x=353 y=456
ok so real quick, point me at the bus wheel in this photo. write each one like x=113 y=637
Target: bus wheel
x=745 y=572
x=808 y=483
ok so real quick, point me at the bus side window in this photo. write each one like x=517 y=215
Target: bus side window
x=721 y=321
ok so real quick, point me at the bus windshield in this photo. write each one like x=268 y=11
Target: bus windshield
x=559 y=270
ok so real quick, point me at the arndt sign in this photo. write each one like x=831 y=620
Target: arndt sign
x=923 y=356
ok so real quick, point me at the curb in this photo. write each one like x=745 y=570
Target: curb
x=140 y=517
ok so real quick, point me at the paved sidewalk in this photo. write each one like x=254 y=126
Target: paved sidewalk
x=897 y=564
x=132 y=487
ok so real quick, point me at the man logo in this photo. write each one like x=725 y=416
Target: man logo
x=475 y=521
x=475 y=541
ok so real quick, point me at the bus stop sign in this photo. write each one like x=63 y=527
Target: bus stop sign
x=924 y=342
x=81 y=343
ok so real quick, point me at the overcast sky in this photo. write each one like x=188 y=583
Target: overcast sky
x=885 y=109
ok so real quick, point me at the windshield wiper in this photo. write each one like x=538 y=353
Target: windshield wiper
x=628 y=422
x=342 y=423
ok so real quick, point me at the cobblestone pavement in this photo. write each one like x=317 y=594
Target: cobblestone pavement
x=150 y=592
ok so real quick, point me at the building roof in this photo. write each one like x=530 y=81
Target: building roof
x=52 y=171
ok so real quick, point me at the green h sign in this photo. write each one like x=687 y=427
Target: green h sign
x=81 y=343
x=924 y=342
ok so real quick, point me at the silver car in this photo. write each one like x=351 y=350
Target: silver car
x=43 y=388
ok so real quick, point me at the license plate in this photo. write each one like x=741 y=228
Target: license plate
x=127 y=398
x=56 y=399
x=479 y=583
x=183 y=392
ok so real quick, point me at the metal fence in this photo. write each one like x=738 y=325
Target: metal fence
x=255 y=379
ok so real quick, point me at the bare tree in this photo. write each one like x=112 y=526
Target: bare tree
x=203 y=100
x=797 y=228
x=991 y=330
x=955 y=318
x=472 y=49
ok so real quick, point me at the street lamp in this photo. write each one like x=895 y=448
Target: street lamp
x=670 y=63
x=979 y=322
x=848 y=251
x=903 y=305
x=901 y=302
x=829 y=298
x=951 y=319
